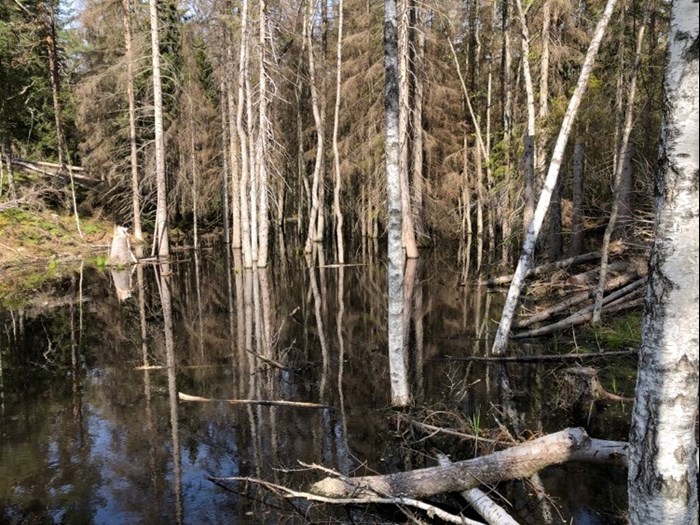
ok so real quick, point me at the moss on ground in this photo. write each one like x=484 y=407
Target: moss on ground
x=36 y=244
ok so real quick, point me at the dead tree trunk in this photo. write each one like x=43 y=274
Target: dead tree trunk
x=552 y=176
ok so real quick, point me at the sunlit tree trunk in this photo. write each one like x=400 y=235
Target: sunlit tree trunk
x=622 y=160
x=135 y=192
x=243 y=140
x=397 y=365
x=340 y=245
x=263 y=132
x=663 y=458
x=417 y=121
x=550 y=182
x=161 y=242
x=225 y=176
x=408 y=232
x=313 y=234
x=543 y=109
x=233 y=138
x=529 y=150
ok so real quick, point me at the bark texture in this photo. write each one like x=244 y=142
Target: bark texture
x=663 y=450
x=518 y=462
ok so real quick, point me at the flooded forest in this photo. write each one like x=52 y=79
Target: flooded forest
x=349 y=261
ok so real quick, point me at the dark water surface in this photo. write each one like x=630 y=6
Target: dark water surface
x=96 y=425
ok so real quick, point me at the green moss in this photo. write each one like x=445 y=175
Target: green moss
x=618 y=332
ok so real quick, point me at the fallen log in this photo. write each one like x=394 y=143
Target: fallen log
x=564 y=263
x=520 y=461
x=493 y=513
x=591 y=276
x=578 y=298
x=580 y=317
x=429 y=509
x=263 y=402
x=545 y=357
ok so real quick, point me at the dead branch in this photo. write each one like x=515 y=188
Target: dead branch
x=520 y=461
x=488 y=509
x=564 y=263
x=264 y=402
x=582 y=316
x=552 y=357
x=578 y=298
x=431 y=510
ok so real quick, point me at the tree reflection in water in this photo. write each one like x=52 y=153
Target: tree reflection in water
x=93 y=428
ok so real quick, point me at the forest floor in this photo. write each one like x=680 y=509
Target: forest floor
x=33 y=243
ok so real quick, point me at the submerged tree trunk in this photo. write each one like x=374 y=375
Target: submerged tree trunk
x=552 y=176
x=662 y=482
x=397 y=367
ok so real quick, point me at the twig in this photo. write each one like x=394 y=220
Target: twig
x=264 y=402
x=431 y=510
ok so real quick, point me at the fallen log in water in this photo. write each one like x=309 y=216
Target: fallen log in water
x=623 y=299
x=493 y=513
x=520 y=461
x=263 y=402
x=564 y=263
x=578 y=298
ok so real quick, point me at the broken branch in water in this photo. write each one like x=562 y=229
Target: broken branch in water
x=493 y=513
x=520 y=461
x=264 y=402
x=431 y=510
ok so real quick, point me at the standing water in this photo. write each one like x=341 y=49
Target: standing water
x=122 y=393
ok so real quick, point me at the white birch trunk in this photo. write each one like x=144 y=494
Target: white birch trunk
x=340 y=245
x=313 y=234
x=529 y=153
x=161 y=241
x=622 y=160
x=397 y=366
x=263 y=131
x=135 y=193
x=663 y=468
x=243 y=140
x=550 y=182
x=409 y=235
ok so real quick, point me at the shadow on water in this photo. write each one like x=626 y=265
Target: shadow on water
x=122 y=391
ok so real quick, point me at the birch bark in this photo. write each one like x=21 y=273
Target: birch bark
x=550 y=182
x=662 y=477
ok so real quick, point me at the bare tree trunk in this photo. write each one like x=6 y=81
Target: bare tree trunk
x=263 y=132
x=417 y=122
x=135 y=192
x=543 y=109
x=397 y=372
x=528 y=249
x=243 y=139
x=663 y=466
x=340 y=245
x=529 y=150
x=161 y=242
x=408 y=232
x=619 y=168
x=625 y=213
x=225 y=144
x=554 y=247
x=233 y=146
x=576 y=242
x=313 y=234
